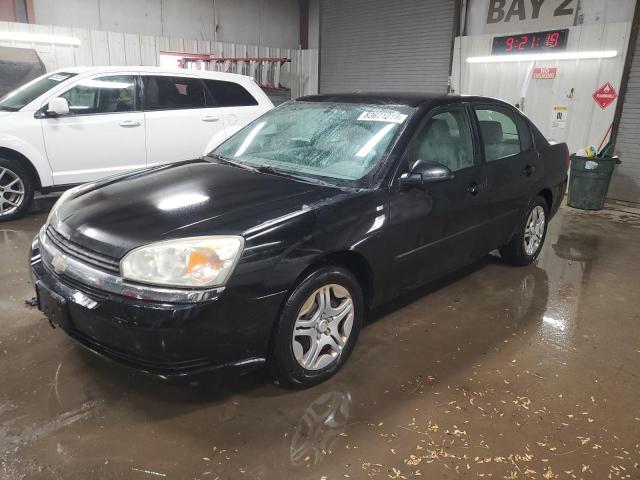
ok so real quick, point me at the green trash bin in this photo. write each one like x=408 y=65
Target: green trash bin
x=589 y=181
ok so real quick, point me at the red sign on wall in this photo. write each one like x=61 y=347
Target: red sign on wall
x=605 y=95
x=545 y=73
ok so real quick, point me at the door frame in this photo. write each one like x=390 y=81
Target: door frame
x=478 y=151
x=525 y=134
x=394 y=189
x=62 y=89
x=76 y=81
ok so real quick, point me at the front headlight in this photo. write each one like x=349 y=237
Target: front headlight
x=187 y=262
x=63 y=198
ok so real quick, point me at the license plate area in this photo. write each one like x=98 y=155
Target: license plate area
x=52 y=305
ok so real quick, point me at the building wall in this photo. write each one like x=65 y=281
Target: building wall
x=585 y=122
x=587 y=12
x=98 y=48
x=314 y=24
x=377 y=45
x=7 y=11
x=258 y=22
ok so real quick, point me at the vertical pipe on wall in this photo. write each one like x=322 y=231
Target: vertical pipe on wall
x=320 y=10
x=31 y=11
x=215 y=20
x=304 y=24
x=459 y=13
x=20 y=9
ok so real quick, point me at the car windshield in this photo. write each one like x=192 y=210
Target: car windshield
x=335 y=142
x=18 y=98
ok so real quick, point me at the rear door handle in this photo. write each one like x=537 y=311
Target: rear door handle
x=474 y=188
x=529 y=170
x=210 y=118
x=130 y=123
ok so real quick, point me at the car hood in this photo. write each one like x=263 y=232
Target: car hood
x=181 y=200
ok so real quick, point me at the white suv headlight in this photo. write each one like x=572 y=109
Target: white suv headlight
x=187 y=262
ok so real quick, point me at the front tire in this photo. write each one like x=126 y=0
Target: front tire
x=317 y=328
x=16 y=189
x=526 y=244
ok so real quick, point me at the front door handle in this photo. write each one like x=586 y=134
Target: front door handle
x=529 y=170
x=130 y=123
x=210 y=118
x=474 y=188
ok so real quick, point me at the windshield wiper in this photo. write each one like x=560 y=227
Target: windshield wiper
x=268 y=169
x=7 y=109
x=275 y=171
x=231 y=162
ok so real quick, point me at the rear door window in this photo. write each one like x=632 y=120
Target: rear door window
x=173 y=93
x=500 y=135
x=228 y=94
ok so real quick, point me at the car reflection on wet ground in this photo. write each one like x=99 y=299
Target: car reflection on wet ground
x=496 y=371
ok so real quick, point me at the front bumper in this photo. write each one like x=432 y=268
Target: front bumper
x=168 y=339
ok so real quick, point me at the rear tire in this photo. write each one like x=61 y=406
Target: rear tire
x=526 y=244
x=317 y=328
x=16 y=189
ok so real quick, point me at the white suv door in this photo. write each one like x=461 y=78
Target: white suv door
x=181 y=119
x=240 y=106
x=103 y=134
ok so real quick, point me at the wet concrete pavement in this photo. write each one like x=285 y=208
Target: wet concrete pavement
x=497 y=372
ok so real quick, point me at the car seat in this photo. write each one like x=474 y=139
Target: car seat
x=437 y=144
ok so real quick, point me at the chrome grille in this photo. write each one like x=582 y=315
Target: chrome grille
x=82 y=254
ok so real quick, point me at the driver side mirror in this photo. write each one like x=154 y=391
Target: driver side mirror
x=57 y=106
x=423 y=172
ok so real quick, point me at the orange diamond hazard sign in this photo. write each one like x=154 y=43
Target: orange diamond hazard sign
x=605 y=95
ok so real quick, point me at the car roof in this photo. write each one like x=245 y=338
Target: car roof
x=145 y=69
x=408 y=99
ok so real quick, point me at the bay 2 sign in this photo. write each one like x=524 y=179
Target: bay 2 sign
x=528 y=15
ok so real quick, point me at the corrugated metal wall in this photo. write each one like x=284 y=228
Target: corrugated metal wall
x=625 y=184
x=404 y=45
x=99 y=48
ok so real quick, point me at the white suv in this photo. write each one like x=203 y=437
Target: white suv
x=79 y=124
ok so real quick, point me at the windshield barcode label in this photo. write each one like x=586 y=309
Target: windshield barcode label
x=391 y=117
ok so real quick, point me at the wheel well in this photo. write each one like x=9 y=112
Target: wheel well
x=548 y=197
x=352 y=261
x=12 y=154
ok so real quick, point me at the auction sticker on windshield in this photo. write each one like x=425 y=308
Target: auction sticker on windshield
x=392 y=117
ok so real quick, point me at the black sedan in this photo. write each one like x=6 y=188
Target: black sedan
x=272 y=248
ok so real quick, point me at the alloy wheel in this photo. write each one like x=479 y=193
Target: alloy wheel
x=534 y=230
x=323 y=327
x=12 y=191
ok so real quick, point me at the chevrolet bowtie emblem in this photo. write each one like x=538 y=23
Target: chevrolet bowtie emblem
x=59 y=264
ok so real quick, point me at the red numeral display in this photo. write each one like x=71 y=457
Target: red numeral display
x=509 y=43
x=530 y=42
x=523 y=42
x=551 y=40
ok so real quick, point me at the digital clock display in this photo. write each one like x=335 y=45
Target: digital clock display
x=537 y=42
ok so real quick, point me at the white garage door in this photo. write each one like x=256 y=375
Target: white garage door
x=625 y=184
x=383 y=45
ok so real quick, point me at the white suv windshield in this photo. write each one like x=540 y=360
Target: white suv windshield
x=340 y=141
x=18 y=98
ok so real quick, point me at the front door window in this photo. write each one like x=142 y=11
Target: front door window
x=444 y=138
x=109 y=94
